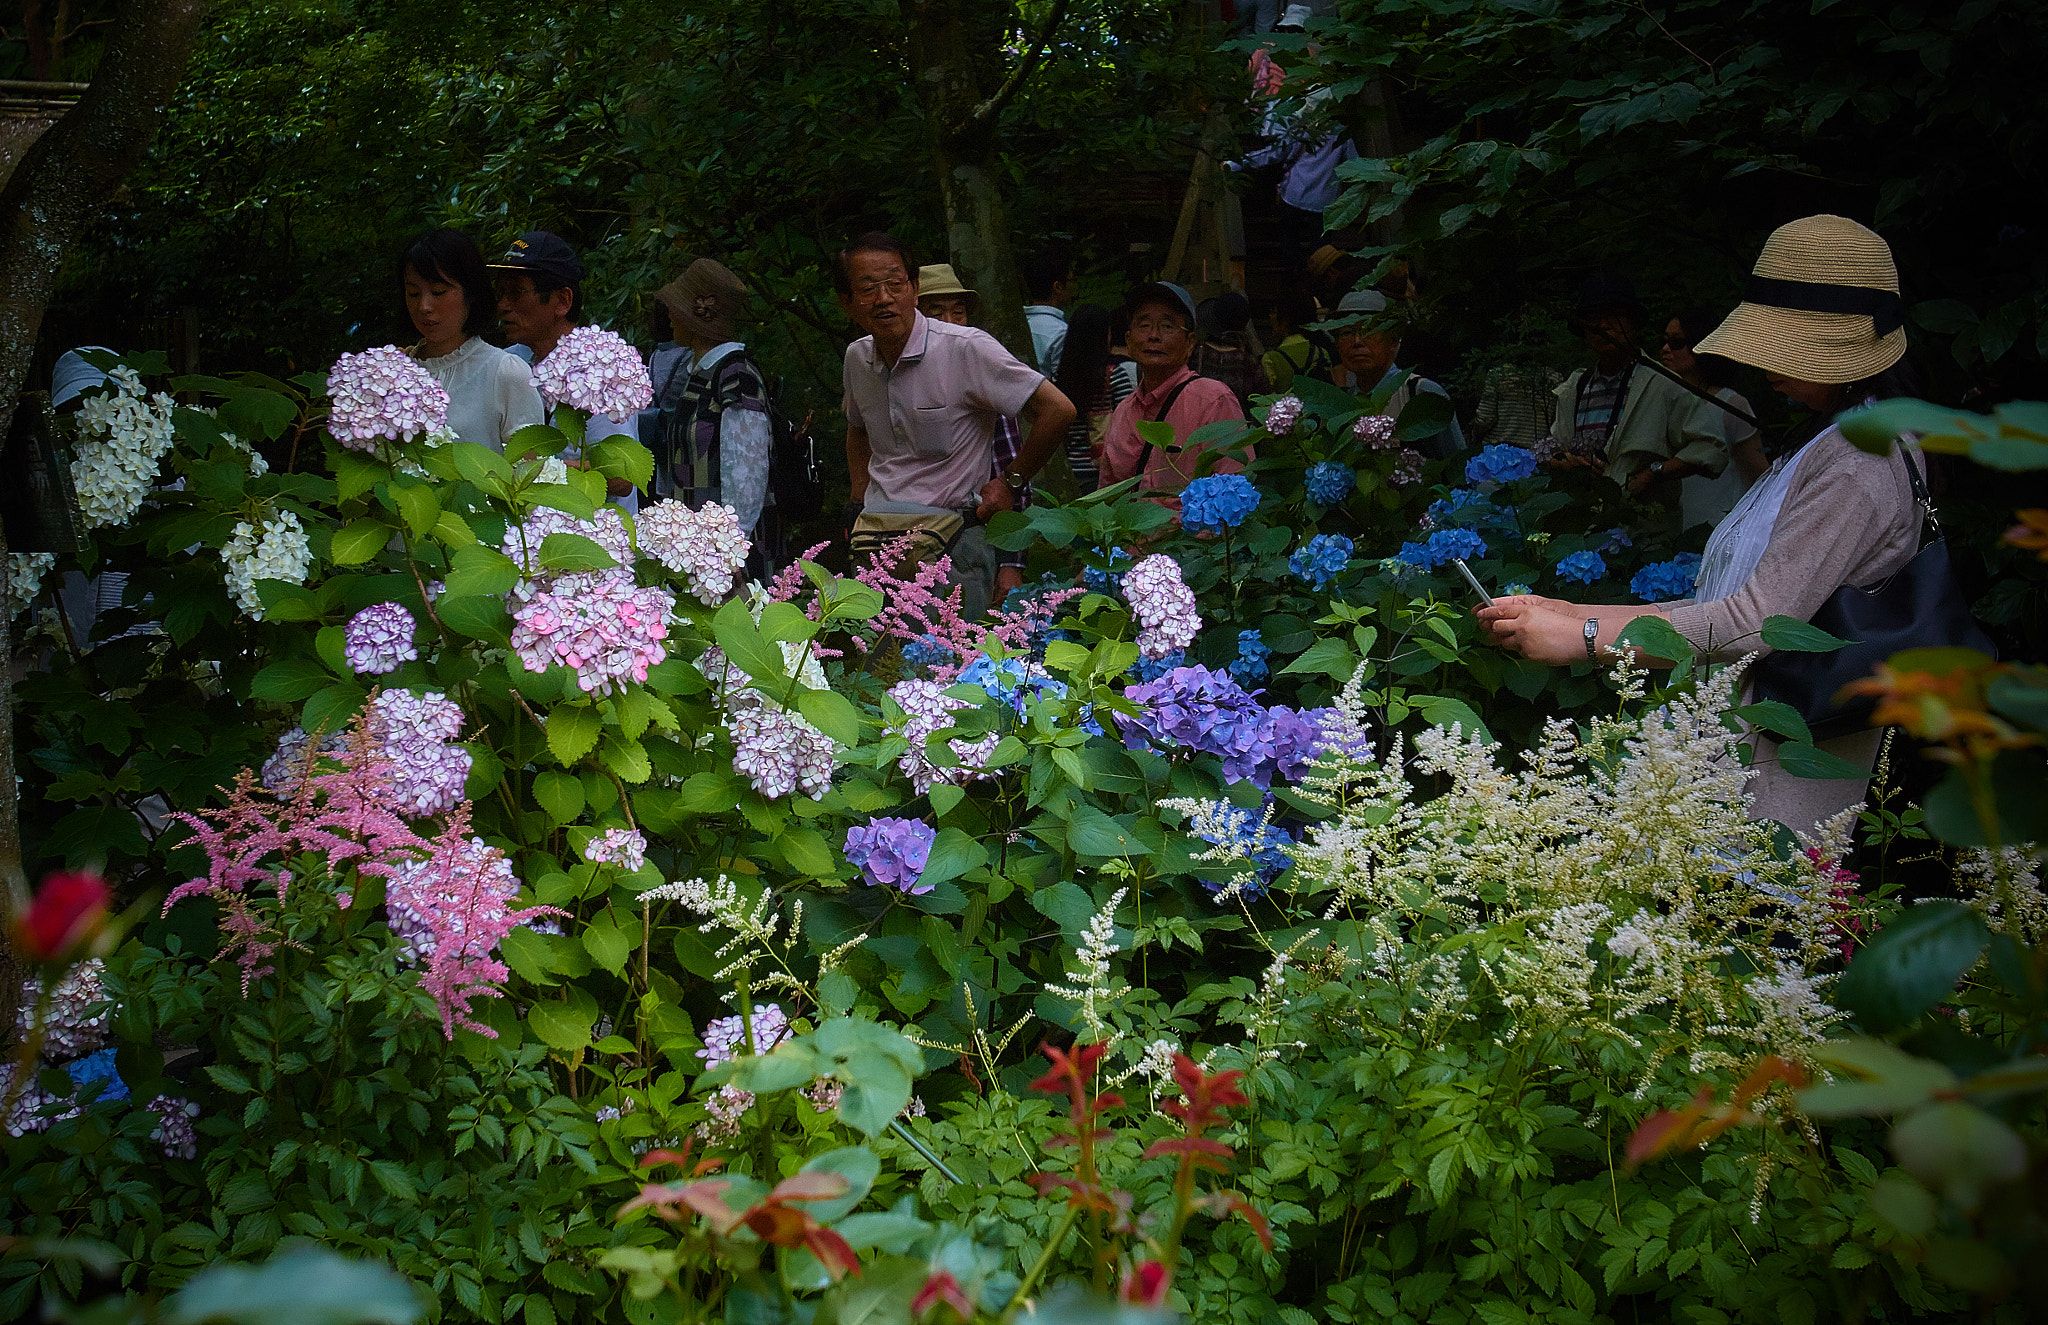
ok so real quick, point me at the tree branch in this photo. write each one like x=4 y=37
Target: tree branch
x=986 y=112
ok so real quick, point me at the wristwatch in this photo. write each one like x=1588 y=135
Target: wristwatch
x=1014 y=481
x=1656 y=468
x=1592 y=638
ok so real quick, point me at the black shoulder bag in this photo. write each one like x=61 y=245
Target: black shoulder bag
x=1165 y=407
x=1917 y=606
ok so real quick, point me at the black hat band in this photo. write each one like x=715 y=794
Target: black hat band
x=1884 y=308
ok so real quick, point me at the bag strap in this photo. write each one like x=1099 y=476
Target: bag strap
x=1166 y=405
x=1921 y=496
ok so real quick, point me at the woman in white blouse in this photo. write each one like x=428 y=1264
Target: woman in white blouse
x=452 y=303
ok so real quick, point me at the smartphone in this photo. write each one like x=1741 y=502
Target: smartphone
x=1485 y=598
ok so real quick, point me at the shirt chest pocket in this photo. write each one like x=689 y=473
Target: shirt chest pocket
x=928 y=425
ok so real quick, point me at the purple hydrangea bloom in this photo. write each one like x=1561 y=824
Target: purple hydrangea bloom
x=1500 y=464
x=623 y=847
x=1329 y=482
x=382 y=395
x=1407 y=469
x=1582 y=567
x=378 y=640
x=595 y=371
x=1216 y=502
x=1282 y=415
x=891 y=853
x=600 y=623
x=725 y=1038
x=1195 y=708
x=1617 y=539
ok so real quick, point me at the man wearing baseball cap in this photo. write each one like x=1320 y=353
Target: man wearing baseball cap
x=1367 y=345
x=1162 y=339
x=540 y=300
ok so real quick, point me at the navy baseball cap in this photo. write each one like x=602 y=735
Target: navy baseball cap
x=1161 y=292
x=538 y=253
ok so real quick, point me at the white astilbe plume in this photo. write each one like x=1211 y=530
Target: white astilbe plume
x=2005 y=886
x=1615 y=873
x=1091 y=983
x=753 y=928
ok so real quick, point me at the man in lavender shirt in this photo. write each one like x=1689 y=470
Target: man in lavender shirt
x=922 y=401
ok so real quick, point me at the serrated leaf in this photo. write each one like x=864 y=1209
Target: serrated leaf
x=560 y=1026
x=453 y=530
x=1803 y=759
x=608 y=945
x=572 y=732
x=622 y=457
x=1327 y=657
x=560 y=794
x=565 y=551
x=1656 y=637
x=1911 y=965
x=952 y=855
x=420 y=507
x=289 y=681
x=831 y=713
x=747 y=648
x=476 y=571
x=481 y=466
x=356 y=543
x=1776 y=716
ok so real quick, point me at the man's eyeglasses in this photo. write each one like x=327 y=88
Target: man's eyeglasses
x=1147 y=327
x=893 y=288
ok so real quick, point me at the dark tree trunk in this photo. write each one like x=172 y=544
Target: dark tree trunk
x=961 y=116
x=49 y=201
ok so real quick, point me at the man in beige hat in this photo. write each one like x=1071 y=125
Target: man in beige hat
x=718 y=434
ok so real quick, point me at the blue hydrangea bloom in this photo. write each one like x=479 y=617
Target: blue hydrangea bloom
x=1110 y=581
x=1501 y=464
x=1663 y=581
x=1151 y=669
x=1321 y=559
x=1013 y=680
x=1515 y=590
x=1218 y=502
x=1329 y=482
x=1413 y=555
x=98 y=1066
x=927 y=650
x=1445 y=544
x=1617 y=539
x=1252 y=653
x=1260 y=843
x=1582 y=567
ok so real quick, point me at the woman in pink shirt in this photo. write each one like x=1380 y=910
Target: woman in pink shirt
x=1162 y=339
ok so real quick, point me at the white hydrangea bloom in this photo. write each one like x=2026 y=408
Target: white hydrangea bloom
x=275 y=549
x=122 y=437
x=25 y=571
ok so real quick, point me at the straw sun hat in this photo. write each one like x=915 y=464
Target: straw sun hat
x=1822 y=305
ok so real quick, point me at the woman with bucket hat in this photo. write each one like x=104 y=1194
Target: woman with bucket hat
x=720 y=432
x=1822 y=318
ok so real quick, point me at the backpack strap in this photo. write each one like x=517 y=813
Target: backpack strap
x=1165 y=407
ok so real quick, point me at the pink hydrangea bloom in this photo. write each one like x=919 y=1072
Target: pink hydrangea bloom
x=617 y=846
x=378 y=640
x=174 y=1129
x=1163 y=604
x=780 y=753
x=1283 y=415
x=1375 y=430
x=73 y=1028
x=382 y=395
x=595 y=371
x=1407 y=468
x=600 y=623
x=707 y=545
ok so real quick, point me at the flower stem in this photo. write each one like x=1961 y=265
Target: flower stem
x=1038 y=1270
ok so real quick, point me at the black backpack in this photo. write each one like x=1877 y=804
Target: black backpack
x=793 y=464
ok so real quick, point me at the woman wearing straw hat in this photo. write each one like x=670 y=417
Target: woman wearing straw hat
x=1823 y=319
x=719 y=434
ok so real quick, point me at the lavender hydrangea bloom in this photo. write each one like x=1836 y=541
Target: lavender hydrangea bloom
x=1377 y=432
x=285 y=767
x=1329 y=482
x=1252 y=653
x=427 y=774
x=1500 y=464
x=595 y=371
x=382 y=395
x=522 y=541
x=780 y=753
x=1666 y=581
x=1163 y=604
x=378 y=640
x=707 y=545
x=1321 y=559
x=1194 y=708
x=891 y=853
x=1282 y=415
x=1582 y=567
x=725 y=1038
x=623 y=847
x=174 y=1129
x=1216 y=502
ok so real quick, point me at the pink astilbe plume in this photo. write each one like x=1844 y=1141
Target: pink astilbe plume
x=461 y=894
x=923 y=608
x=790 y=579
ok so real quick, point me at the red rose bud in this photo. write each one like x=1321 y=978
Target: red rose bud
x=69 y=910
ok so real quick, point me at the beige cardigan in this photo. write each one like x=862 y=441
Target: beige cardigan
x=1848 y=518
